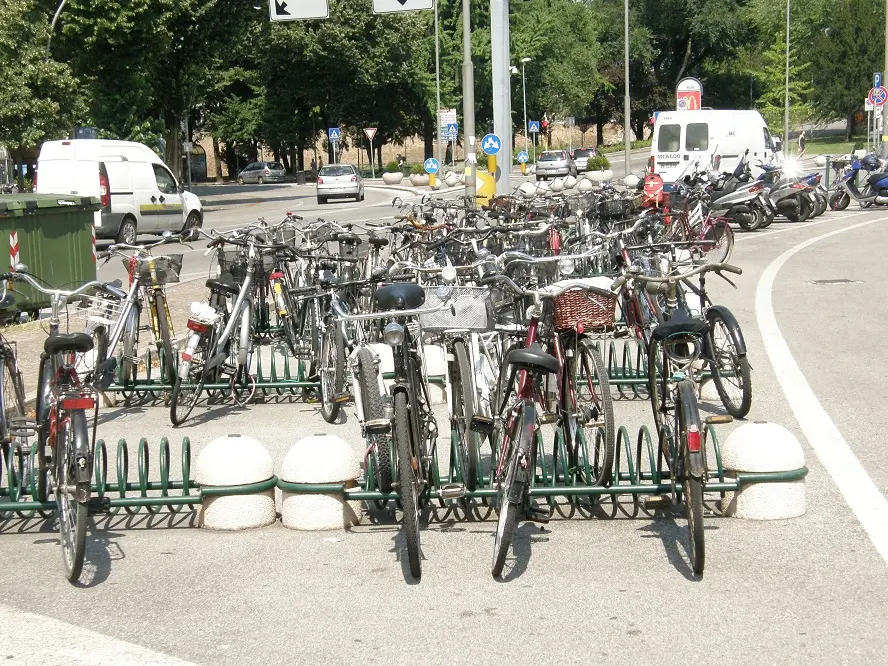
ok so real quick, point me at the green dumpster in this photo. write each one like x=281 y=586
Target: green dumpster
x=53 y=236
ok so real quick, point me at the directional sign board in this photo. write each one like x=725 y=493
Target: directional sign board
x=431 y=165
x=877 y=79
x=491 y=144
x=523 y=157
x=452 y=131
x=370 y=132
x=388 y=6
x=295 y=10
x=533 y=126
x=878 y=96
x=334 y=133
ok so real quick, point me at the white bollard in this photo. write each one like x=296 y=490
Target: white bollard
x=320 y=459
x=631 y=181
x=820 y=160
x=570 y=182
x=763 y=447
x=235 y=460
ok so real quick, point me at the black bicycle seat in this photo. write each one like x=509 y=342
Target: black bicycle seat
x=681 y=324
x=68 y=342
x=532 y=358
x=351 y=239
x=399 y=296
x=376 y=241
x=223 y=287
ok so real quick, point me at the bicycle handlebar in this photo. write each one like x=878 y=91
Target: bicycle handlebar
x=636 y=275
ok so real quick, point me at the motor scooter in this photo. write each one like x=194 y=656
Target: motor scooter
x=875 y=187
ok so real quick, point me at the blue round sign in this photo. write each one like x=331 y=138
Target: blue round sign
x=523 y=157
x=431 y=165
x=491 y=144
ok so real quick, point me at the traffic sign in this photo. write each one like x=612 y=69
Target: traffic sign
x=491 y=144
x=370 y=132
x=334 y=133
x=877 y=79
x=533 y=126
x=388 y=6
x=867 y=106
x=291 y=10
x=452 y=131
x=523 y=157
x=878 y=96
x=431 y=165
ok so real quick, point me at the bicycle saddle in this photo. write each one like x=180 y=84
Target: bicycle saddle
x=378 y=242
x=347 y=238
x=399 y=296
x=68 y=342
x=681 y=324
x=223 y=287
x=532 y=358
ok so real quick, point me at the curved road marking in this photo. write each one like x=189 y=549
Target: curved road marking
x=863 y=497
x=63 y=643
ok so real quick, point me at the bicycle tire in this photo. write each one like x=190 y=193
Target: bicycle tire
x=168 y=362
x=13 y=390
x=128 y=368
x=186 y=395
x=288 y=324
x=736 y=397
x=595 y=373
x=72 y=512
x=662 y=402
x=692 y=487
x=508 y=510
x=332 y=363
x=372 y=406
x=408 y=489
x=723 y=235
x=464 y=409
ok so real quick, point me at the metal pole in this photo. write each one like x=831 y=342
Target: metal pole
x=502 y=78
x=885 y=73
x=372 y=165
x=786 y=104
x=627 y=142
x=55 y=17
x=524 y=94
x=468 y=100
x=188 y=152
x=438 y=90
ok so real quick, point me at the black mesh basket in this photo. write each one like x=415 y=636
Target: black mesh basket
x=167 y=269
x=234 y=262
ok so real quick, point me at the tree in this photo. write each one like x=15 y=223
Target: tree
x=40 y=99
x=771 y=103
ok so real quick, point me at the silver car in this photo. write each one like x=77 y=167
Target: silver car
x=552 y=163
x=581 y=157
x=336 y=181
x=262 y=172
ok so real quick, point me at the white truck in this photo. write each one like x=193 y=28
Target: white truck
x=682 y=138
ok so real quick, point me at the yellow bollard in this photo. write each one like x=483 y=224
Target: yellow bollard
x=432 y=181
x=524 y=168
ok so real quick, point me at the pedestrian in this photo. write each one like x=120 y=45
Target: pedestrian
x=801 y=144
x=314 y=165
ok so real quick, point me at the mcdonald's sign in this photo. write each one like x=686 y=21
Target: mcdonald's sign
x=689 y=95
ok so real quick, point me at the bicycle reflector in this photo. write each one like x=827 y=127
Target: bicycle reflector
x=693 y=439
x=78 y=403
x=198 y=326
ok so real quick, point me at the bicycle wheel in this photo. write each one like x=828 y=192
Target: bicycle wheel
x=662 y=402
x=730 y=370
x=510 y=494
x=187 y=390
x=13 y=390
x=129 y=367
x=594 y=409
x=71 y=496
x=332 y=371
x=168 y=359
x=723 y=235
x=372 y=406
x=689 y=424
x=408 y=465
x=463 y=386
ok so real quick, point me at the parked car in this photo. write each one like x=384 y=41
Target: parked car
x=552 y=163
x=262 y=172
x=581 y=157
x=336 y=181
x=138 y=193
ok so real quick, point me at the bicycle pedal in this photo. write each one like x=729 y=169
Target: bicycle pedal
x=453 y=490
x=483 y=425
x=343 y=397
x=657 y=501
x=98 y=505
x=548 y=418
x=378 y=426
x=536 y=514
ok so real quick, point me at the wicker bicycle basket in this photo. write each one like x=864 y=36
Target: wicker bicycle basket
x=591 y=310
x=166 y=269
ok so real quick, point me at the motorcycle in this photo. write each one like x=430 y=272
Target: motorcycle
x=734 y=197
x=788 y=195
x=875 y=189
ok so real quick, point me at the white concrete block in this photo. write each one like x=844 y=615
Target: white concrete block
x=235 y=460
x=557 y=185
x=436 y=365
x=763 y=447
x=585 y=185
x=631 y=180
x=315 y=513
x=570 y=182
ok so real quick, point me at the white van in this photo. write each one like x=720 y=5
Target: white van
x=682 y=137
x=138 y=192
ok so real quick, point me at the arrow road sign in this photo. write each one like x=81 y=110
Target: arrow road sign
x=387 y=6
x=295 y=10
x=334 y=133
x=491 y=144
x=431 y=165
x=533 y=126
x=523 y=157
x=370 y=132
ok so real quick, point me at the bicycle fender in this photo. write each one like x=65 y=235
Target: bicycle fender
x=733 y=327
x=696 y=465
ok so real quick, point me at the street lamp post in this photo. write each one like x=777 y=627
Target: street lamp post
x=55 y=17
x=524 y=94
x=437 y=89
x=468 y=101
x=786 y=101
x=627 y=142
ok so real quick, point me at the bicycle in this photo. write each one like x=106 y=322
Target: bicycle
x=65 y=449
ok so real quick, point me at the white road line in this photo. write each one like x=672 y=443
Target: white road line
x=63 y=643
x=796 y=226
x=852 y=480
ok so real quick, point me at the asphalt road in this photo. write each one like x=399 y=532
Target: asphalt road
x=808 y=590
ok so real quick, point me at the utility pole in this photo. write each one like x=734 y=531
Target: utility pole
x=786 y=103
x=440 y=152
x=885 y=73
x=468 y=101
x=627 y=141
x=502 y=85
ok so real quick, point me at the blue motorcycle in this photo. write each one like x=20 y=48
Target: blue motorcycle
x=873 y=192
